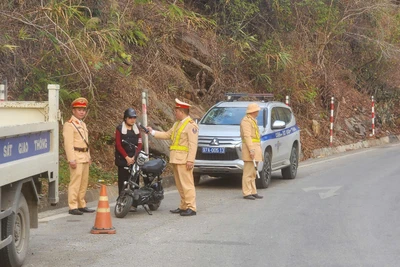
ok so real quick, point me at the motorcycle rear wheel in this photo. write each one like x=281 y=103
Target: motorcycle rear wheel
x=123 y=206
x=154 y=206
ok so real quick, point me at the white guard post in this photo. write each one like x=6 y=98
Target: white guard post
x=331 y=121
x=145 y=137
x=373 y=115
x=2 y=92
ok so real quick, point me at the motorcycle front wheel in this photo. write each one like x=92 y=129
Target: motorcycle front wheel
x=123 y=206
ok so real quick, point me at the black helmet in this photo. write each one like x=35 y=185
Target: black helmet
x=130 y=113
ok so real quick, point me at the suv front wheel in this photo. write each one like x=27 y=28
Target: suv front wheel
x=265 y=175
x=290 y=171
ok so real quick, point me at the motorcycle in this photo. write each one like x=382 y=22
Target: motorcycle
x=150 y=194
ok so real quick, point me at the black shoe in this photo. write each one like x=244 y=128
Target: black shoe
x=86 y=210
x=187 y=212
x=249 y=197
x=75 y=212
x=257 y=196
x=176 y=211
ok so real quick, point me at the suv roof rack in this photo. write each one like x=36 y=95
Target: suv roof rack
x=235 y=96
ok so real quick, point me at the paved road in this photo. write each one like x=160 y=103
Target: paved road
x=339 y=211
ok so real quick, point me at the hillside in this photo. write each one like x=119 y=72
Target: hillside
x=110 y=51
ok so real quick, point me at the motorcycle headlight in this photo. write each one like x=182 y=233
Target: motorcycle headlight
x=141 y=159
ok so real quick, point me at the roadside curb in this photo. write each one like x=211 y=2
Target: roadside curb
x=327 y=151
x=168 y=181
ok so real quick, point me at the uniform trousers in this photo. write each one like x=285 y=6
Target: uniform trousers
x=185 y=184
x=78 y=183
x=249 y=179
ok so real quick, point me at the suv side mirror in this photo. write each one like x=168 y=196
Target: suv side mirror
x=277 y=125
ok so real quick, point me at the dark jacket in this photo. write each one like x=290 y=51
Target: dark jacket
x=122 y=149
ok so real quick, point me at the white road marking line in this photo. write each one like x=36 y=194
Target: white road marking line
x=330 y=193
x=53 y=217
x=332 y=159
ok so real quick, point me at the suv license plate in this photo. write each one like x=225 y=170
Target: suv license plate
x=213 y=150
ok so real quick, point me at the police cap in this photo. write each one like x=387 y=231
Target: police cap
x=180 y=104
x=80 y=102
x=252 y=107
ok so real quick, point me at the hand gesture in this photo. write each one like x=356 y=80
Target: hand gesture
x=252 y=154
x=129 y=161
x=189 y=165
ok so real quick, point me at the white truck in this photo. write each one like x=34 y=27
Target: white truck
x=29 y=151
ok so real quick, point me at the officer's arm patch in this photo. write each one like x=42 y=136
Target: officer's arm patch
x=194 y=130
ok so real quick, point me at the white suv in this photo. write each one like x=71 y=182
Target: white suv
x=220 y=146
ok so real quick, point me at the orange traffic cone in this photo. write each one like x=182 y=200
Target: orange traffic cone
x=103 y=224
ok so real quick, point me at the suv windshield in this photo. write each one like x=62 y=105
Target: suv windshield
x=227 y=116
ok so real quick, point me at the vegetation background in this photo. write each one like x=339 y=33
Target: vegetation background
x=109 y=51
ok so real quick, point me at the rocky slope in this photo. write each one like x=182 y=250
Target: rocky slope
x=110 y=51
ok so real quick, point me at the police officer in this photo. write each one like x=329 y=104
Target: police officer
x=124 y=152
x=183 y=136
x=76 y=145
x=251 y=151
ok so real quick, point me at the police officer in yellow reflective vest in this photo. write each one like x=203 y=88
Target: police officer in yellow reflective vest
x=77 y=149
x=251 y=151
x=183 y=136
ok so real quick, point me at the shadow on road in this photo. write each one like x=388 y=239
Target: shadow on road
x=231 y=182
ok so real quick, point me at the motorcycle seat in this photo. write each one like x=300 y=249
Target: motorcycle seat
x=153 y=166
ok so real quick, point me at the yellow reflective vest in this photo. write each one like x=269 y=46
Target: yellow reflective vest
x=250 y=138
x=183 y=135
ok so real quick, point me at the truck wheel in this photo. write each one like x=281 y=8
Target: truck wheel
x=196 y=178
x=123 y=206
x=265 y=175
x=291 y=171
x=18 y=226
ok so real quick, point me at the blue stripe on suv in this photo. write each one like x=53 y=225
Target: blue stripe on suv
x=281 y=133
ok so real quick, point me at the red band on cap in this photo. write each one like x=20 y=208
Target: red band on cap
x=79 y=104
x=181 y=106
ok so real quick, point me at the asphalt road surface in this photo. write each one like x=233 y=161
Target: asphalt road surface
x=339 y=211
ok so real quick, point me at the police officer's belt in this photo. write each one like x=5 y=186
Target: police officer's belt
x=81 y=149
